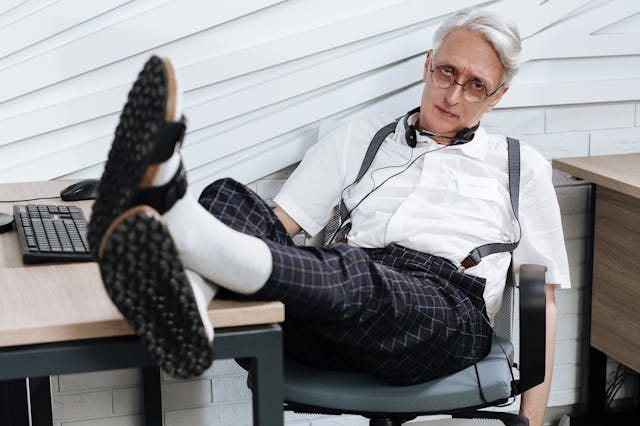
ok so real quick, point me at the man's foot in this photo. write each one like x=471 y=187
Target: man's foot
x=147 y=135
x=145 y=279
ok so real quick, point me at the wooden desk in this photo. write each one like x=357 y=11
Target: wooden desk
x=615 y=294
x=58 y=319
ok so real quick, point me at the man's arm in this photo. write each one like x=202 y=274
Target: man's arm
x=534 y=401
x=290 y=225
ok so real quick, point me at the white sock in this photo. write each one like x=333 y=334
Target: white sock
x=233 y=260
x=203 y=292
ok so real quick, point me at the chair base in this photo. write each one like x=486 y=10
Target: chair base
x=388 y=421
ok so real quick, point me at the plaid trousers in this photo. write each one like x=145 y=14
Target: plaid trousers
x=400 y=314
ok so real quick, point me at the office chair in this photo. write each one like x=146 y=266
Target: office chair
x=461 y=395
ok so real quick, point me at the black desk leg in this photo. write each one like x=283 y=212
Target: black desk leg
x=597 y=382
x=152 y=396
x=40 y=396
x=14 y=407
x=267 y=381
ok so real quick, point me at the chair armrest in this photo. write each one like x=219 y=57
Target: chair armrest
x=532 y=326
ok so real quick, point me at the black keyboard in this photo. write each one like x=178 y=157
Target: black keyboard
x=51 y=233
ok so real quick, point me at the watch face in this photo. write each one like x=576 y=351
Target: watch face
x=6 y=222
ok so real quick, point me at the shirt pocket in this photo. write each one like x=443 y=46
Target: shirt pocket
x=479 y=188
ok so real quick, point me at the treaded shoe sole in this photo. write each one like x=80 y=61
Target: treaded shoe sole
x=150 y=102
x=146 y=281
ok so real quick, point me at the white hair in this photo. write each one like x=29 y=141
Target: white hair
x=501 y=33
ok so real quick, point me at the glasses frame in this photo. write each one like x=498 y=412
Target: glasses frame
x=463 y=85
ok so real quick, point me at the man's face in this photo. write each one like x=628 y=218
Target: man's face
x=470 y=57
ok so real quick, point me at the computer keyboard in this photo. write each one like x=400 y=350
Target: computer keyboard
x=51 y=233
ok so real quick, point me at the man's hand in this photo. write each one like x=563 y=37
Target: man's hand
x=534 y=401
x=290 y=225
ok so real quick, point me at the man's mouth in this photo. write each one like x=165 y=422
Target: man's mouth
x=446 y=112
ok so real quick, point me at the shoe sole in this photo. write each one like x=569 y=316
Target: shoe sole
x=146 y=281
x=151 y=101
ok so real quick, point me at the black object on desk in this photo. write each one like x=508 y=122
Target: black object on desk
x=51 y=233
x=6 y=222
x=86 y=189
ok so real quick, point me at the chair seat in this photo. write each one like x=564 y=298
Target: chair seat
x=356 y=392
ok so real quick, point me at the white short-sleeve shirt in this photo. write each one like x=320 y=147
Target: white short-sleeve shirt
x=438 y=199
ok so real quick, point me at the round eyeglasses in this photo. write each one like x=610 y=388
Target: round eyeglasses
x=444 y=77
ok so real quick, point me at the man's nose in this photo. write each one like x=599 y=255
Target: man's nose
x=454 y=94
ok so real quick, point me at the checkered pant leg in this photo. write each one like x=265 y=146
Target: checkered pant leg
x=241 y=209
x=403 y=315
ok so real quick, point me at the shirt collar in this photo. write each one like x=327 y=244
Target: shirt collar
x=476 y=148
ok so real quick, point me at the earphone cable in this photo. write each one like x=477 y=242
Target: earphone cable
x=390 y=177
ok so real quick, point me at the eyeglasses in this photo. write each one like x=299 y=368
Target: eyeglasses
x=444 y=77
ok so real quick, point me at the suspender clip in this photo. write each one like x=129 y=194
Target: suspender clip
x=471 y=260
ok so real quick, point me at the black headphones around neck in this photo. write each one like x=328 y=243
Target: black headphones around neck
x=463 y=136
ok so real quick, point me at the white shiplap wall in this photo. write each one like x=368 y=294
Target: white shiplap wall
x=258 y=77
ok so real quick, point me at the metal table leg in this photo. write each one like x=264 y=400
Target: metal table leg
x=152 y=396
x=262 y=348
x=40 y=397
x=14 y=408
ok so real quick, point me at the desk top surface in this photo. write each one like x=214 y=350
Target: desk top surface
x=60 y=302
x=617 y=172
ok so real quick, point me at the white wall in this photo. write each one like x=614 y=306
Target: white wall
x=258 y=76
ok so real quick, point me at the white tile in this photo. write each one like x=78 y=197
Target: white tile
x=110 y=421
x=576 y=250
x=578 y=273
x=569 y=327
x=127 y=401
x=54 y=382
x=619 y=141
x=574 y=199
x=227 y=367
x=102 y=379
x=236 y=414
x=559 y=145
x=209 y=416
x=570 y=301
x=566 y=377
x=568 y=352
x=637 y=115
x=195 y=393
x=564 y=397
x=515 y=121
x=590 y=117
x=298 y=419
x=230 y=389
x=576 y=225
x=81 y=406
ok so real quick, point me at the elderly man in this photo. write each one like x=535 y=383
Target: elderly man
x=404 y=296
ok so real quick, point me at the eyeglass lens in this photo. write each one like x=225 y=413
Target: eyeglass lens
x=444 y=78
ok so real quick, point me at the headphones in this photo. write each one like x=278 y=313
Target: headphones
x=463 y=136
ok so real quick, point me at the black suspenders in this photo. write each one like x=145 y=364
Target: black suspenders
x=476 y=255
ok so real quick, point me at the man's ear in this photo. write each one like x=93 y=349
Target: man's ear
x=427 y=61
x=495 y=99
